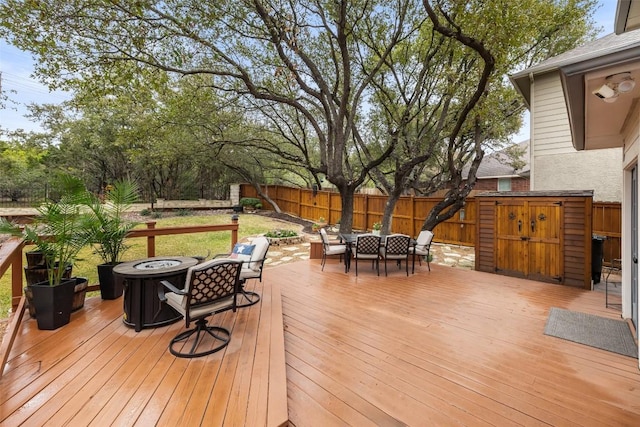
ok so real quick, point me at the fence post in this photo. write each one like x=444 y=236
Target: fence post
x=151 y=240
x=16 y=277
x=234 y=232
x=413 y=216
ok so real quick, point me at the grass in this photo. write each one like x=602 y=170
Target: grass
x=211 y=243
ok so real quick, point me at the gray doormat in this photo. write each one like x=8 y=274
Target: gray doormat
x=595 y=331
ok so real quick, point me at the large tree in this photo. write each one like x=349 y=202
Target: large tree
x=444 y=97
x=311 y=56
x=315 y=60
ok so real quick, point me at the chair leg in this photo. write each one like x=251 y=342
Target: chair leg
x=385 y=267
x=201 y=329
x=324 y=259
x=428 y=263
x=250 y=297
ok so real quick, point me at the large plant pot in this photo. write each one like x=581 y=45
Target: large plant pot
x=35 y=259
x=111 y=287
x=38 y=274
x=53 y=303
x=79 y=295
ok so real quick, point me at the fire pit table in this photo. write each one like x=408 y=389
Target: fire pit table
x=142 y=307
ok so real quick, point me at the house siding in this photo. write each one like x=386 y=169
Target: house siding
x=556 y=165
x=631 y=137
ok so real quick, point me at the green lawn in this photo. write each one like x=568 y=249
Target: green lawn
x=181 y=245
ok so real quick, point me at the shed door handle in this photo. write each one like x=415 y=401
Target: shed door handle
x=519 y=226
x=533 y=226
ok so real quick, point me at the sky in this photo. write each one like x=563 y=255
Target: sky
x=16 y=68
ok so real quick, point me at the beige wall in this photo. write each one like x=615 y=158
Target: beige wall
x=597 y=170
x=555 y=164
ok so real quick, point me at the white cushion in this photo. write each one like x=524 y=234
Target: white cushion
x=424 y=238
x=259 y=252
x=335 y=249
x=366 y=256
x=179 y=303
x=249 y=273
x=420 y=251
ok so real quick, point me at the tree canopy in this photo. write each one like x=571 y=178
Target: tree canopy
x=402 y=91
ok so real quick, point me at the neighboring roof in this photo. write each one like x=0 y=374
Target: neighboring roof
x=605 y=51
x=496 y=165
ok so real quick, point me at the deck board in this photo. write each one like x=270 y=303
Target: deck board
x=97 y=371
x=454 y=347
x=446 y=347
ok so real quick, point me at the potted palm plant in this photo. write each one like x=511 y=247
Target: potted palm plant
x=109 y=229
x=59 y=233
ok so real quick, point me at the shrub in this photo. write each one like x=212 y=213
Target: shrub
x=251 y=202
x=280 y=233
x=145 y=212
x=184 y=212
x=156 y=214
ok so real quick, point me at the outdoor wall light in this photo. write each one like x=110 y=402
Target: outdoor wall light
x=615 y=85
x=623 y=82
x=605 y=92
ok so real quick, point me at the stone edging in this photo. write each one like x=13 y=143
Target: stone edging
x=277 y=241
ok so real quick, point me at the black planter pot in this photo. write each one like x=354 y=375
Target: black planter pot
x=79 y=295
x=40 y=273
x=53 y=303
x=111 y=287
x=35 y=259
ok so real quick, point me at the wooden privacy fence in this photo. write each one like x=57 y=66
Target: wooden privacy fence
x=411 y=211
x=607 y=221
x=408 y=216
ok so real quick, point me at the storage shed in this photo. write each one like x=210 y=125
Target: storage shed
x=538 y=235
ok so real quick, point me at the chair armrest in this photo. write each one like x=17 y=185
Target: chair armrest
x=221 y=256
x=171 y=287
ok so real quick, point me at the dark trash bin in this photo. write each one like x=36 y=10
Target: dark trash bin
x=597 y=252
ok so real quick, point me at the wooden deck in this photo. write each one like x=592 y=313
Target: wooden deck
x=446 y=347
x=97 y=371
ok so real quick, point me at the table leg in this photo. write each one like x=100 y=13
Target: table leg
x=347 y=258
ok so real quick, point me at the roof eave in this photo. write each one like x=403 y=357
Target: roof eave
x=572 y=79
x=622 y=13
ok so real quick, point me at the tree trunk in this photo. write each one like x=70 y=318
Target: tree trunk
x=445 y=209
x=346 y=218
x=265 y=196
x=389 y=207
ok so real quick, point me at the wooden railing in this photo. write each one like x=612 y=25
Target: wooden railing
x=11 y=256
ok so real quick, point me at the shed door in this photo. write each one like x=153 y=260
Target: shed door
x=545 y=255
x=528 y=239
x=511 y=256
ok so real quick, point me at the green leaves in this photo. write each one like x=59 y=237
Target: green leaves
x=107 y=226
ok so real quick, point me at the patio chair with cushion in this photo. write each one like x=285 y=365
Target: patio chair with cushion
x=210 y=288
x=253 y=256
x=367 y=247
x=422 y=249
x=396 y=248
x=329 y=249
